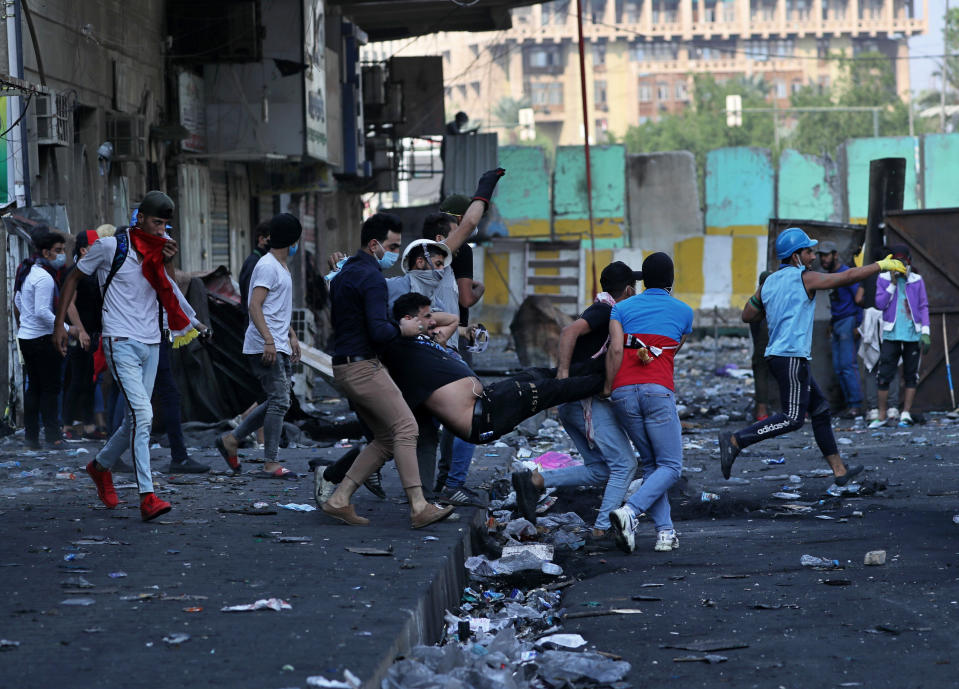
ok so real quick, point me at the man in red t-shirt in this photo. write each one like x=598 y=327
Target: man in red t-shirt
x=645 y=332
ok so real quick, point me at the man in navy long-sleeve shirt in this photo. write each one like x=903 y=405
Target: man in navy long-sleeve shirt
x=846 y=317
x=358 y=299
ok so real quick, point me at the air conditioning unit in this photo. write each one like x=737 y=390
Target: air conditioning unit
x=128 y=135
x=54 y=119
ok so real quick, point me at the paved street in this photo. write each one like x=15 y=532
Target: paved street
x=858 y=626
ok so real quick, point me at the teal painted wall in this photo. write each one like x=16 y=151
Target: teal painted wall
x=524 y=192
x=858 y=154
x=941 y=170
x=739 y=188
x=808 y=188
x=609 y=182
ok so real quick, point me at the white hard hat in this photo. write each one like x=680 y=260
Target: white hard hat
x=427 y=244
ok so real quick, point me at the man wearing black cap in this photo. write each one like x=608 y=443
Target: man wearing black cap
x=270 y=347
x=645 y=333
x=591 y=424
x=138 y=295
x=845 y=317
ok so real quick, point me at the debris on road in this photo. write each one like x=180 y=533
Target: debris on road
x=262 y=604
x=875 y=558
x=819 y=562
x=176 y=639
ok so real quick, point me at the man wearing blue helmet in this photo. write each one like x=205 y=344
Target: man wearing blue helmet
x=787 y=299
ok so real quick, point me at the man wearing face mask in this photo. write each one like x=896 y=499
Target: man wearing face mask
x=270 y=347
x=35 y=299
x=788 y=300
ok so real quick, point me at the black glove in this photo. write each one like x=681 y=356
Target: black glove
x=486 y=185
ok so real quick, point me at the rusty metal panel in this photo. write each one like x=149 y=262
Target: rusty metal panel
x=466 y=157
x=930 y=236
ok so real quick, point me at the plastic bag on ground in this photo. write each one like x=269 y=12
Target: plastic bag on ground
x=560 y=667
x=519 y=529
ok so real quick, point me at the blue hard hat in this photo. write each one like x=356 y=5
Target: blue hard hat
x=792 y=239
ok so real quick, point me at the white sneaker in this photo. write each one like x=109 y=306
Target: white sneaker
x=892 y=413
x=624 y=528
x=872 y=415
x=905 y=419
x=666 y=540
x=877 y=423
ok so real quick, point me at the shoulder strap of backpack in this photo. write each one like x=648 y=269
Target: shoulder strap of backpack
x=119 y=256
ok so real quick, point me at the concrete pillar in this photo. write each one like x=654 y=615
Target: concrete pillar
x=647 y=17
x=817 y=17
x=781 y=16
x=852 y=16
x=686 y=18
x=743 y=18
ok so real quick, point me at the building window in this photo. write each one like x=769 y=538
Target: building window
x=599 y=93
x=629 y=12
x=599 y=54
x=554 y=12
x=662 y=91
x=797 y=85
x=756 y=50
x=543 y=57
x=780 y=87
x=645 y=93
x=682 y=93
x=545 y=94
x=475 y=85
x=597 y=8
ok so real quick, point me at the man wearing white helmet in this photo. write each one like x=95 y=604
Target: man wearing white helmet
x=787 y=299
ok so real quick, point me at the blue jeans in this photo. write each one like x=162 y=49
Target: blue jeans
x=611 y=460
x=647 y=412
x=275 y=380
x=134 y=368
x=460 y=462
x=844 y=359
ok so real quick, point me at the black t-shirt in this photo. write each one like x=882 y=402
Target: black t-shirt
x=420 y=366
x=246 y=274
x=587 y=345
x=462 y=266
x=89 y=302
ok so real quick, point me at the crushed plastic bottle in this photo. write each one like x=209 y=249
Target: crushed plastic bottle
x=819 y=562
x=708 y=497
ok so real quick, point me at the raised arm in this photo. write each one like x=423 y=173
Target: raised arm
x=817 y=281
x=473 y=215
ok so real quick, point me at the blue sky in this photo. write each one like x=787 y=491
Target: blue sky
x=920 y=71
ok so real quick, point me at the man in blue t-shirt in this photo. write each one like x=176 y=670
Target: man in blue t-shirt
x=846 y=317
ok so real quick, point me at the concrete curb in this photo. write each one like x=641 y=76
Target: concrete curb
x=425 y=623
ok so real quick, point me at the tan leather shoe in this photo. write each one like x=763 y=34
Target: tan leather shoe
x=347 y=514
x=429 y=515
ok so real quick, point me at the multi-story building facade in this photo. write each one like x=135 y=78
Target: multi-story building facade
x=642 y=55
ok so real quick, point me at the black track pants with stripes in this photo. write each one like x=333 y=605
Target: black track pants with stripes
x=799 y=395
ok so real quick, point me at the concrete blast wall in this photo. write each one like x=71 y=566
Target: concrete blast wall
x=663 y=197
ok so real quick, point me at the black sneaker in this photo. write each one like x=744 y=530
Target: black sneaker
x=374 y=484
x=460 y=496
x=727 y=452
x=187 y=466
x=851 y=472
x=527 y=495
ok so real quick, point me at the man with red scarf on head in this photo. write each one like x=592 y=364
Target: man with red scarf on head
x=137 y=293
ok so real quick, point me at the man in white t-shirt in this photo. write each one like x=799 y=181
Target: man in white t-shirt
x=270 y=346
x=135 y=297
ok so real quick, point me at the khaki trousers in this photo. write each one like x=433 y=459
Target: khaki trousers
x=380 y=404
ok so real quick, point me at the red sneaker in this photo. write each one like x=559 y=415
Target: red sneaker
x=104 y=481
x=152 y=507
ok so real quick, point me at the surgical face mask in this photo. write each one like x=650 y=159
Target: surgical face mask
x=59 y=260
x=387 y=259
x=293 y=250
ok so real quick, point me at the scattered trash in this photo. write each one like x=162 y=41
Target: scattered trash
x=781 y=460
x=363 y=550
x=77 y=582
x=297 y=507
x=294 y=539
x=262 y=604
x=117 y=575
x=176 y=639
x=82 y=602
x=708 y=497
x=875 y=558
x=562 y=640
x=708 y=645
x=193 y=609
x=7 y=644
x=260 y=505
x=350 y=681
x=844 y=441
x=819 y=562
x=708 y=658
x=555 y=460
x=783 y=495
x=836 y=582
x=9 y=465
x=66 y=475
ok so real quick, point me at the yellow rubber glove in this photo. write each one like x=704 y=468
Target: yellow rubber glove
x=892 y=265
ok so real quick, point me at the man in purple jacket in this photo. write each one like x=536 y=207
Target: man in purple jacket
x=905 y=330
